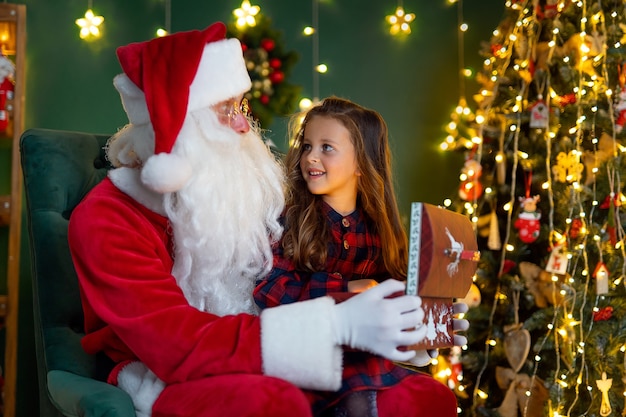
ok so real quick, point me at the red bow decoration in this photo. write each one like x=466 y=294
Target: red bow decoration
x=508 y=265
x=606 y=203
x=603 y=314
x=496 y=50
x=574 y=230
x=562 y=101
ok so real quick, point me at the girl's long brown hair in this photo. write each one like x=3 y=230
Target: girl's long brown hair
x=306 y=233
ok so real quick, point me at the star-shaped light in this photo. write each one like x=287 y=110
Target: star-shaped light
x=245 y=14
x=400 y=21
x=89 y=25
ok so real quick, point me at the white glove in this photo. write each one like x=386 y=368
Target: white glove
x=371 y=322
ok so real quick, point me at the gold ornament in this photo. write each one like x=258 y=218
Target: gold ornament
x=604 y=385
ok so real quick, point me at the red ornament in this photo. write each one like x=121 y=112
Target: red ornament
x=456 y=367
x=496 y=50
x=264 y=99
x=574 y=230
x=6 y=93
x=606 y=203
x=275 y=63
x=268 y=44
x=603 y=314
x=527 y=221
x=565 y=100
x=470 y=190
x=244 y=47
x=277 y=77
x=508 y=265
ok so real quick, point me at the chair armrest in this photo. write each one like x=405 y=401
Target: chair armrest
x=78 y=396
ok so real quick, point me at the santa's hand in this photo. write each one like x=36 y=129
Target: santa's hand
x=369 y=321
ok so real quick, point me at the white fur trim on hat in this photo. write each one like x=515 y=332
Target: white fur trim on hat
x=297 y=344
x=133 y=100
x=165 y=173
x=221 y=74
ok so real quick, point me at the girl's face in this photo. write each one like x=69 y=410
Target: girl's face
x=328 y=163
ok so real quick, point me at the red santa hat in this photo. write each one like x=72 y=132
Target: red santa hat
x=166 y=78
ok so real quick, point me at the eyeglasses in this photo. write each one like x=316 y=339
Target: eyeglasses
x=228 y=110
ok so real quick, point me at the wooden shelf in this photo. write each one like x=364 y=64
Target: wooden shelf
x=5 y=210
x=13 y=45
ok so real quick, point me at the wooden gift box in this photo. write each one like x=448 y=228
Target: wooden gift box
x=443 y=257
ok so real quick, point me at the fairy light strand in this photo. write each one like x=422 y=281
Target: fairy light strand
x=90 y=23
x=316 y=51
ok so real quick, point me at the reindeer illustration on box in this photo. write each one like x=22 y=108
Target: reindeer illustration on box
x=443 y=257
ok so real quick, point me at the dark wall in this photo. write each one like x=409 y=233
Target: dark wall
x=412 y=82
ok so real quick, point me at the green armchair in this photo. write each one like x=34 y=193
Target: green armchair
x=59 y=168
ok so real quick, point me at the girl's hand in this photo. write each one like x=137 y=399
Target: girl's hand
x=360 y=285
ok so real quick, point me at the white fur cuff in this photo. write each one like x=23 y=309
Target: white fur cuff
x=142 y=385
x=297 y=344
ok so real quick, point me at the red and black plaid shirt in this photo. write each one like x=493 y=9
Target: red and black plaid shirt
x=353 y=253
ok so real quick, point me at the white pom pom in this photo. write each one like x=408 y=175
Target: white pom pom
x=165 y=173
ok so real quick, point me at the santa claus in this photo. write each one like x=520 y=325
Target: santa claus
x=167 y=249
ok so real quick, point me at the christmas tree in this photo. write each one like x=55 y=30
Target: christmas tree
x=269 y=66
x=544 y=147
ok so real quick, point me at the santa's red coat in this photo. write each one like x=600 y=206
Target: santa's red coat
x=235 y=365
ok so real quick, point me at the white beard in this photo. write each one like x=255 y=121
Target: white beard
x=225 y=219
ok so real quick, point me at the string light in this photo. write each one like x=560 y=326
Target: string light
x=246 y=15
x=318 y=68
x=400 y=21
x=90 y=23
x=164 y=31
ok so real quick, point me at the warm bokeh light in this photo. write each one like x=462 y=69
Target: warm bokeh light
x=246 y=14
x=400 y=21
x=89 y=25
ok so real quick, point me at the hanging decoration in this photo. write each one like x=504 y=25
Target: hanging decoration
x=601 y=274
x=472 y=298
x=471 y=187
x=246 y=15
x=604 y=385
x=167 y=28
x=494 y=241
x=539 y=114
x=547 y=288
x=269 y=65
x=90 y=24
x=568 y=167
x=400 y=21
x=7 y=87
x=527 y=222
x=524 y=395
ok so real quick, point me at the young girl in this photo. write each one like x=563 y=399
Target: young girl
x=343 y=234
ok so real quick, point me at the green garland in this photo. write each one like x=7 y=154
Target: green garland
x=269 y=66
